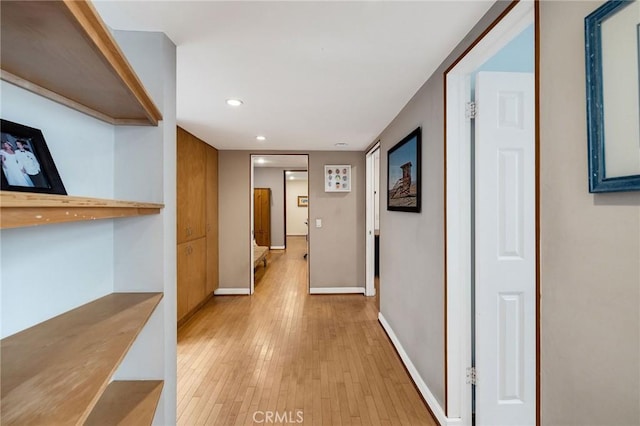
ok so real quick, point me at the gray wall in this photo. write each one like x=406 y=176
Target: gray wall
x=412 y=245
x=590 y=250
x=337 y=253
x=270 y=177
x=590 y=245
x=342 y=216
x=234 y=186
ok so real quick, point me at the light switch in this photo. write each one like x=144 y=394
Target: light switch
x=318 y=223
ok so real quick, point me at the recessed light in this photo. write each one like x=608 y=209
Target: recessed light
x=234 y=102
x=260 y=161
x=261 y=138
x=291 y=178
x=288 y=172
x=341 y=144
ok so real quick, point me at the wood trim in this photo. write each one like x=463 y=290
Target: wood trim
x=95 y=29
x=536 y=73
x=21 y=209
x=56 y=371
x=446 y=260
x=127 y=402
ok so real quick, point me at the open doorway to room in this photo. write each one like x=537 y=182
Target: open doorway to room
x=279 y=216
x=372 y=255
x=491 y=227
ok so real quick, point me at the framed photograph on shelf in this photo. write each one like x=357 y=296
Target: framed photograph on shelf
x=27 y=165
x=337 y=178
x=303 y=201
x=403 y=174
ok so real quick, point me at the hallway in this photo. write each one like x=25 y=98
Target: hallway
x=314 y=360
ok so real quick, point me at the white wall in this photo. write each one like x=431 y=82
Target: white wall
x=48 y=270
x=296 y=216
x=145 y=247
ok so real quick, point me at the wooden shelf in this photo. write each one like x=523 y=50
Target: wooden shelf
x=127 y=403
x=20 y=209
x=63 y=51
x=55 y=372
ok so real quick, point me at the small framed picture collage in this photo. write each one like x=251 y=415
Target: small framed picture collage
x=337 y=178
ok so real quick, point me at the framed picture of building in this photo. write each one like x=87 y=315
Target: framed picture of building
x=337 y=178
x=403 y=174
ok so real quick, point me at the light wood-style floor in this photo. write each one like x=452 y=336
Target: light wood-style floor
x=313 y=360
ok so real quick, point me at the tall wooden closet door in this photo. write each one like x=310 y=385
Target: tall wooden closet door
x=212 y=220
x=262 y=216
x=191 y=166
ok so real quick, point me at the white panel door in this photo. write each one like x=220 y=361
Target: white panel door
x=505 y=249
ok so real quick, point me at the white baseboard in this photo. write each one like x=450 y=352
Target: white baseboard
x=230 y=291
x=336 y=290
x=277 y=247
x=435 y=407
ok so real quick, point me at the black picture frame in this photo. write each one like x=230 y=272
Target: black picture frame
x=39 y=172
x=404 y=171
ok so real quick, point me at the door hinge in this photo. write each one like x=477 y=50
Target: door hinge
x=471 y=376
x=470 y=110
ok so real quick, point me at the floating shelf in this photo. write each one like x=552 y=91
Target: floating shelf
x=63 y=51
x=20 y=209
x=127 y=403
x=56 y=371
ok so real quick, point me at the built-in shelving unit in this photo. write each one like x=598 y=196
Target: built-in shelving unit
x=127 y=403
x=21 y=209
x=63 y=51
x=74 y=367
x=55 y=372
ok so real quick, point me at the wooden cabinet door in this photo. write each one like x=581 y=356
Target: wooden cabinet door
x=183 y=280
x=191 y=175
x=212 y=219
x=262 y=216
x=197 y=260
x=191 y=275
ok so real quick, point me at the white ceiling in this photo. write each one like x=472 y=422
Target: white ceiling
x=310 y=74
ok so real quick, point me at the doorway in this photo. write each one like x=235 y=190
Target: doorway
x=276 y=180
x=491 y=242
x=372 y=235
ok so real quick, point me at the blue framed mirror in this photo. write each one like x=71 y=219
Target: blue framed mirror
x=612 y=44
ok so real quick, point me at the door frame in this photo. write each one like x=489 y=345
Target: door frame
x=252 y=226
x=252 y=157
x=458 y=238
x=370 y=289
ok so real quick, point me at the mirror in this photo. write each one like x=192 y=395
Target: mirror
x=612 y=34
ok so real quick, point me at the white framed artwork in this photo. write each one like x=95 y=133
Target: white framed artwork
x=337 y=178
